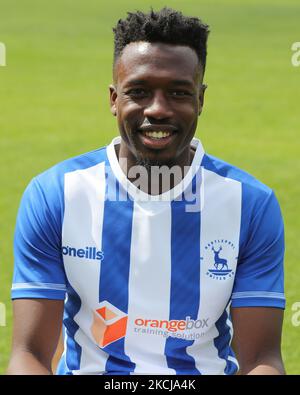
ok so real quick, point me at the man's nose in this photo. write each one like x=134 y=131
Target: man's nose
x=159 y=107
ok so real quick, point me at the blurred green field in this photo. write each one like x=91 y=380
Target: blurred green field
x=54 y=105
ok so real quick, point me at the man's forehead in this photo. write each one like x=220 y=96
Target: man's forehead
x=137 y=57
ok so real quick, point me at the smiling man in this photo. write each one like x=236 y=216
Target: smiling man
x=153 y=252
x=157 y=98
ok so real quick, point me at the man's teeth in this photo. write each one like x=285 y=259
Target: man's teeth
x=158 y=135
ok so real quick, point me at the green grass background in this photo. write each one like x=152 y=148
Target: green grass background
x=54 y=105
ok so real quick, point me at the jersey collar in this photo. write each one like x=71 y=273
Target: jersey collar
x=136 y=193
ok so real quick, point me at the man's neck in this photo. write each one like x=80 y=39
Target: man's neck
x=154 y=179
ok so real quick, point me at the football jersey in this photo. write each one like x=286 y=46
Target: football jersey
x=148 y=280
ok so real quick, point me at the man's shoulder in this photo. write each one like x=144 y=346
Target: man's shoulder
x=249 y=183
x=57 y=172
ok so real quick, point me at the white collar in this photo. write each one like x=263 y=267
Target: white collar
x=136 y=193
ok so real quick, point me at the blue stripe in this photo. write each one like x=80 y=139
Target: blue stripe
x=185 y=283
x=73 y=351
x=235 y=366
x=222 y=343
x=114 y=276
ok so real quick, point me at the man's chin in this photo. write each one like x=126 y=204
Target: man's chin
x=148 y=157
x=149 y=162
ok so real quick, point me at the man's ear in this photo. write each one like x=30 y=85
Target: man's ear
x=113 y=99
x=201 y=97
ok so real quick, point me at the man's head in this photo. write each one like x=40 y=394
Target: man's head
x=157 y=96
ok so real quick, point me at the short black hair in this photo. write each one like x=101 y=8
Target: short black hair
x=165 y=26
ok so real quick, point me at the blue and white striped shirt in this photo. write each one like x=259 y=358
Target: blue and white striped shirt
x=148 y=280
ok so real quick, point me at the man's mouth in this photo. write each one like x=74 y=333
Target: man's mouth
x=157 y=138
x=157 y=135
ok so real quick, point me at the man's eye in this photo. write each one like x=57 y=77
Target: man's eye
x=180 y=93
x=137 y=92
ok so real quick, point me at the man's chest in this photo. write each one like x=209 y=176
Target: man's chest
x=153 y=262
x=152 y=268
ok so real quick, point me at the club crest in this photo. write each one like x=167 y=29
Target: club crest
x=220 y=253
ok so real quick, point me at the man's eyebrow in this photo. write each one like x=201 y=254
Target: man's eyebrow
x=183 y=83
x=186 y=83
x=136 y=82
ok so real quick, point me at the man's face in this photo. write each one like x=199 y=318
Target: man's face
x=157 y=98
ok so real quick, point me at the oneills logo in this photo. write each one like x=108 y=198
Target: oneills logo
x=85 y=253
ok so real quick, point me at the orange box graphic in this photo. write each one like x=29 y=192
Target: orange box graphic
x=109 y=324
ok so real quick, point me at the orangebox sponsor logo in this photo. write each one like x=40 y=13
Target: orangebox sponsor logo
x=109 y=324
x=173 y=325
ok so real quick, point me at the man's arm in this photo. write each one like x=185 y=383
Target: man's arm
x=37 y=326
x=257 y=339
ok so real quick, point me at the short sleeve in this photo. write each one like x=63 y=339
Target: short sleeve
x=259 y=277
x=38 y=264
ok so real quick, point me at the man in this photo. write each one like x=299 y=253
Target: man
x=145 y=245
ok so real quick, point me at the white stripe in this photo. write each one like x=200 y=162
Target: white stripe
x=229 y=323
x=83 y=221
x=234 y=360
x=36 y=285
x=220 y=220
x=258 y=294
x=149 y=285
